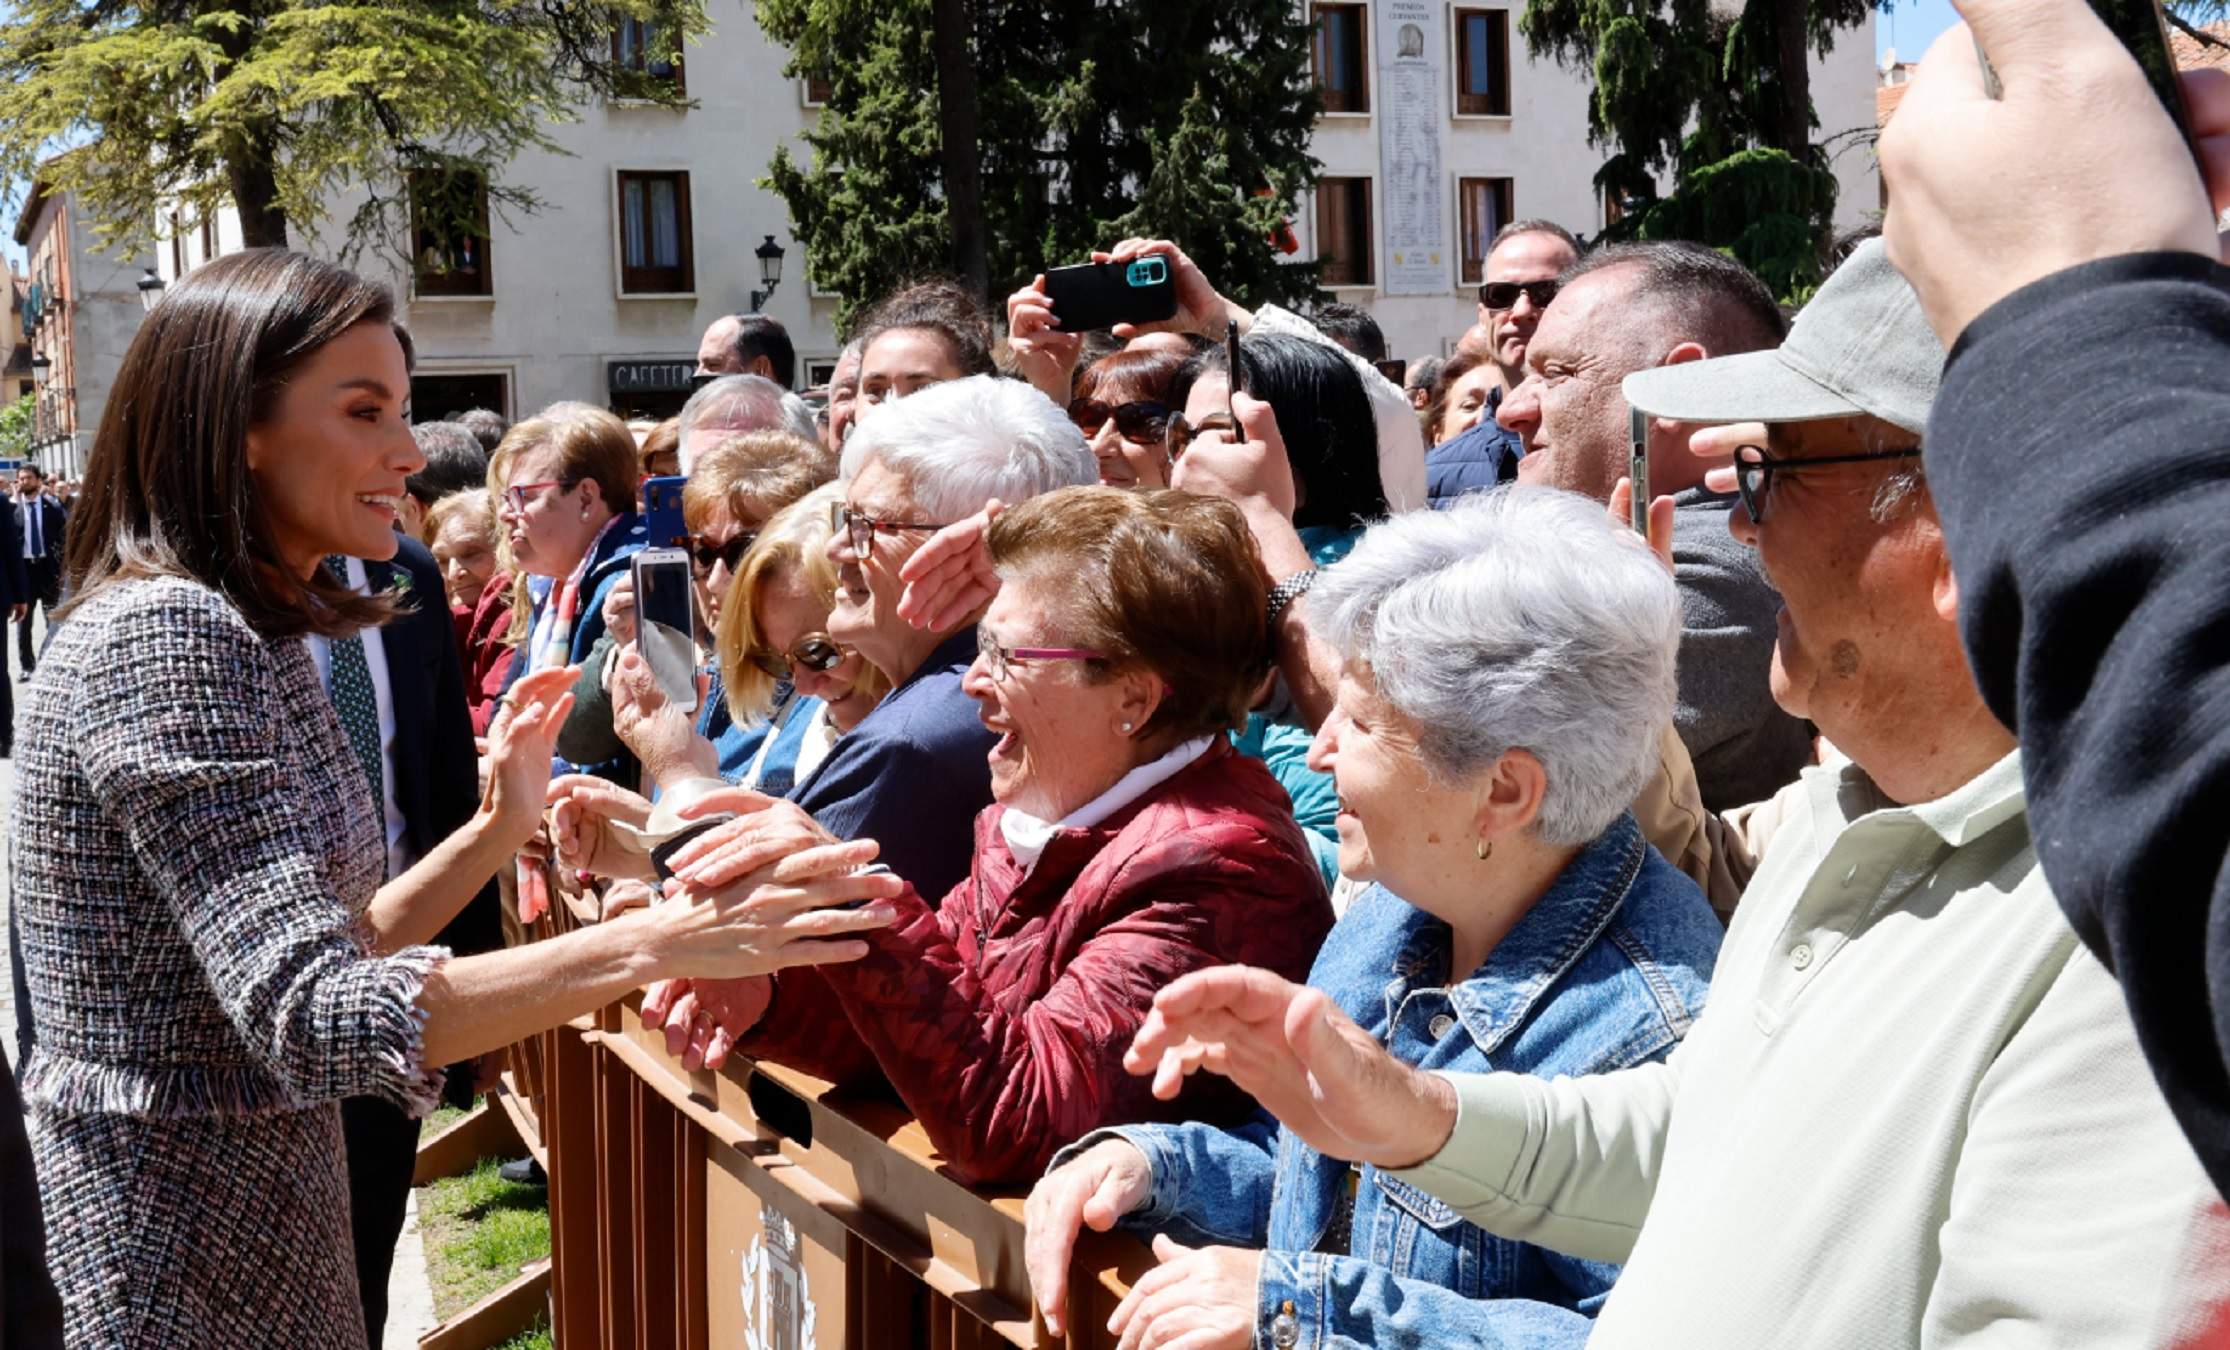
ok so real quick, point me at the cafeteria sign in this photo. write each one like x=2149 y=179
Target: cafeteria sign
x=651 y=377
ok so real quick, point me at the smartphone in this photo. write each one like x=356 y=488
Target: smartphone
x=1101 y=295
x=1237 y=384
x=662 y=518
x=666 y=623
x=2142 y=27
x=1638 y=432
x=1393 y=369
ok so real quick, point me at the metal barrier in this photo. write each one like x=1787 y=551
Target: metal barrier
x=761 y=1208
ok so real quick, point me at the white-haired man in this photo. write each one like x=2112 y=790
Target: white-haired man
x=734 y=404
x=1913 y=1112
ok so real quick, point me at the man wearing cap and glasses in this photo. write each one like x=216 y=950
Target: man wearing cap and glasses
x=1913 y=1112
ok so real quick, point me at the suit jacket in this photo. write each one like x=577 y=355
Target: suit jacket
x=437 y=785
x=15 y=579
x=54 y=519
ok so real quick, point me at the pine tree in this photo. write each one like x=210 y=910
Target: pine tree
x=1721 y=104
x=1095 y=121
x=271 y=106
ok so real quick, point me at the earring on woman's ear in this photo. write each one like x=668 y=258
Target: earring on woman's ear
x=584 y=513
x=1126 y=728
x=1484 y=849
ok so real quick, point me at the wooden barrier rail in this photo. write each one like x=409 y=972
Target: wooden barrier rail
x=761 y=1208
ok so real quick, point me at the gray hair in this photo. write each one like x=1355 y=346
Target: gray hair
x=744 y=403
x=1521 y=618
x=960 y=443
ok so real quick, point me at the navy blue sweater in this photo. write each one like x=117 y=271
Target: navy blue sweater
x=2079 y=455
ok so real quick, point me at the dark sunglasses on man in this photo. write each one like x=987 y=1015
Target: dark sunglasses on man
x=1142 y=421
x=700 y=380
x=1499 y=295
x=816 y=652
x=705 y=554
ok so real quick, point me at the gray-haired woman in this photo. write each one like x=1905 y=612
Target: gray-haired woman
x=1507 y=666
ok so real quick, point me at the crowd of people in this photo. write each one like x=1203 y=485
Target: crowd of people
x=1225 y=790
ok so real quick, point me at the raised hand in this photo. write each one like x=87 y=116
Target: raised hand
x=522 y=741
x=582 y=810
x=661 y=735
x=1046 y=355
x=1291 y=1048
x=1200 y=308
x=1254 y=472
x=787 y=914
x=1660 y=519
x=1097 y=1187
x=951 y=576
x=619 y=608
x=2078 y=127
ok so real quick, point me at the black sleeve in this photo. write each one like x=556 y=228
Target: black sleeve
x=15 y=582
x=2079 y=454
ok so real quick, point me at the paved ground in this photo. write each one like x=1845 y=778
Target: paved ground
x=410 y=1299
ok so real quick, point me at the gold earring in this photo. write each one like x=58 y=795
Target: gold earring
x=1484 y=849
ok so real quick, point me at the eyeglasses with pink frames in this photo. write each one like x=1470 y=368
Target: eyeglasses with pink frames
x=999 y=660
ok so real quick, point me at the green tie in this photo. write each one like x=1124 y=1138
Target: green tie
x=353 y=697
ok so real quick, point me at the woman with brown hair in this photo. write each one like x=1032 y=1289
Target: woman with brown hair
x=1127 y=844
x=211 y=958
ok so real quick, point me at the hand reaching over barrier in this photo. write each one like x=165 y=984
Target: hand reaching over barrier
x=1290 y=1047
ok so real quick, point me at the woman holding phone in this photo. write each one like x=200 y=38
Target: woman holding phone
x=211 y=957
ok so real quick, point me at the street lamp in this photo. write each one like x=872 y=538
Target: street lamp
x=770 y=272
x=40 y=365
x=150 y=289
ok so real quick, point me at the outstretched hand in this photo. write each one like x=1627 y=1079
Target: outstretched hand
x=2078 y=127
x=1046 y=355
x=1292 y=1049
x=522 y=744
x=951 y=576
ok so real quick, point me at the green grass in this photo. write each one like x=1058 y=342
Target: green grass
x=478 y=1230
x=536 y=1339
x=441 y=1120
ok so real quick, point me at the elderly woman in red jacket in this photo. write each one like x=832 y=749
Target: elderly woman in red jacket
x=1128 y=844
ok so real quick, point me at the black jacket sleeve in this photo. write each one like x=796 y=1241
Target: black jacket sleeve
x=2079 y=455
x=15 y=580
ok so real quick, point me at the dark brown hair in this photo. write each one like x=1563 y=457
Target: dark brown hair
x=752 y=476
x=167 y=489
x=944 y=308
x=663 y=439
x=1145 y=375
x=1164 y=580
x=1444 y=384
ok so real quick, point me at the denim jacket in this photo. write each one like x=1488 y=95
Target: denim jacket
x=1608 y=970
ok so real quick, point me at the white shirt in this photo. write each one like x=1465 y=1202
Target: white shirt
x=399 y=858
x=35 y=542
x=1912 y=1114
x=1027 y=836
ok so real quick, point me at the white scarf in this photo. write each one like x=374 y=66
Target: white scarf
x=1027 y=836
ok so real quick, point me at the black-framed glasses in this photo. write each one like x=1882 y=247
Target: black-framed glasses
x=1143 y=420
x=1000 y=661
x=1183 y=433
x=704 y=555
x=1503 y=294
x=859 y=530
x=1754 y=470
x=701 y=379
x=816 y=652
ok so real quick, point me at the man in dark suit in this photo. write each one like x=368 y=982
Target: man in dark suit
x=429 y=786
x=15 y=602
x=40 y=522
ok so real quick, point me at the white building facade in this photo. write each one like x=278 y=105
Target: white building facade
x=1438 y=129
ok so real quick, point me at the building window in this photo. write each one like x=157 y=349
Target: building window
x=438 y=396
x=1341 y=67
x=814 y=90
x=640 y=49
x=1482 y=63
x=654 y=247
x=449 y=233
x=1343 y=231
x=1483 y=207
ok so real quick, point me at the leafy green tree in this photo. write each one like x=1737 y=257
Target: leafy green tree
x=1721 y=105
x=16 y=422
x=1094 y=121
x=273 y=106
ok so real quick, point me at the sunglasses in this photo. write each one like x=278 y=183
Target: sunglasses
x=700 y=380
x=816 y=652
x=1503 y=294
x=705 y=555
x=1143 y=421
x=860 y=530
x=1754 y=470
x=1182 y=432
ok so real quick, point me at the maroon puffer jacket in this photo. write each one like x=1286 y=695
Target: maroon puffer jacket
x=1001 y=1016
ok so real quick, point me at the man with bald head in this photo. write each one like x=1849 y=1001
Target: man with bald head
x=1632 y=307
x=747 y=344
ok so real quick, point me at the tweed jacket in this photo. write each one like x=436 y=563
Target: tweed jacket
x=189 y=876
x=194 y=849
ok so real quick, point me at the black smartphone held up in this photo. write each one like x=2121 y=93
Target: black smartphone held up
x=1101 y=295
x=1639 y=511
x=662 y=518
x=666 y=623
x=1237 y=384
x=2142 y=27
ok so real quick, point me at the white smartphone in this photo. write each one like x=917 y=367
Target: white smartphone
x=666 y=623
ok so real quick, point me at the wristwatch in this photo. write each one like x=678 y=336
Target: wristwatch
x=1287 y=591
